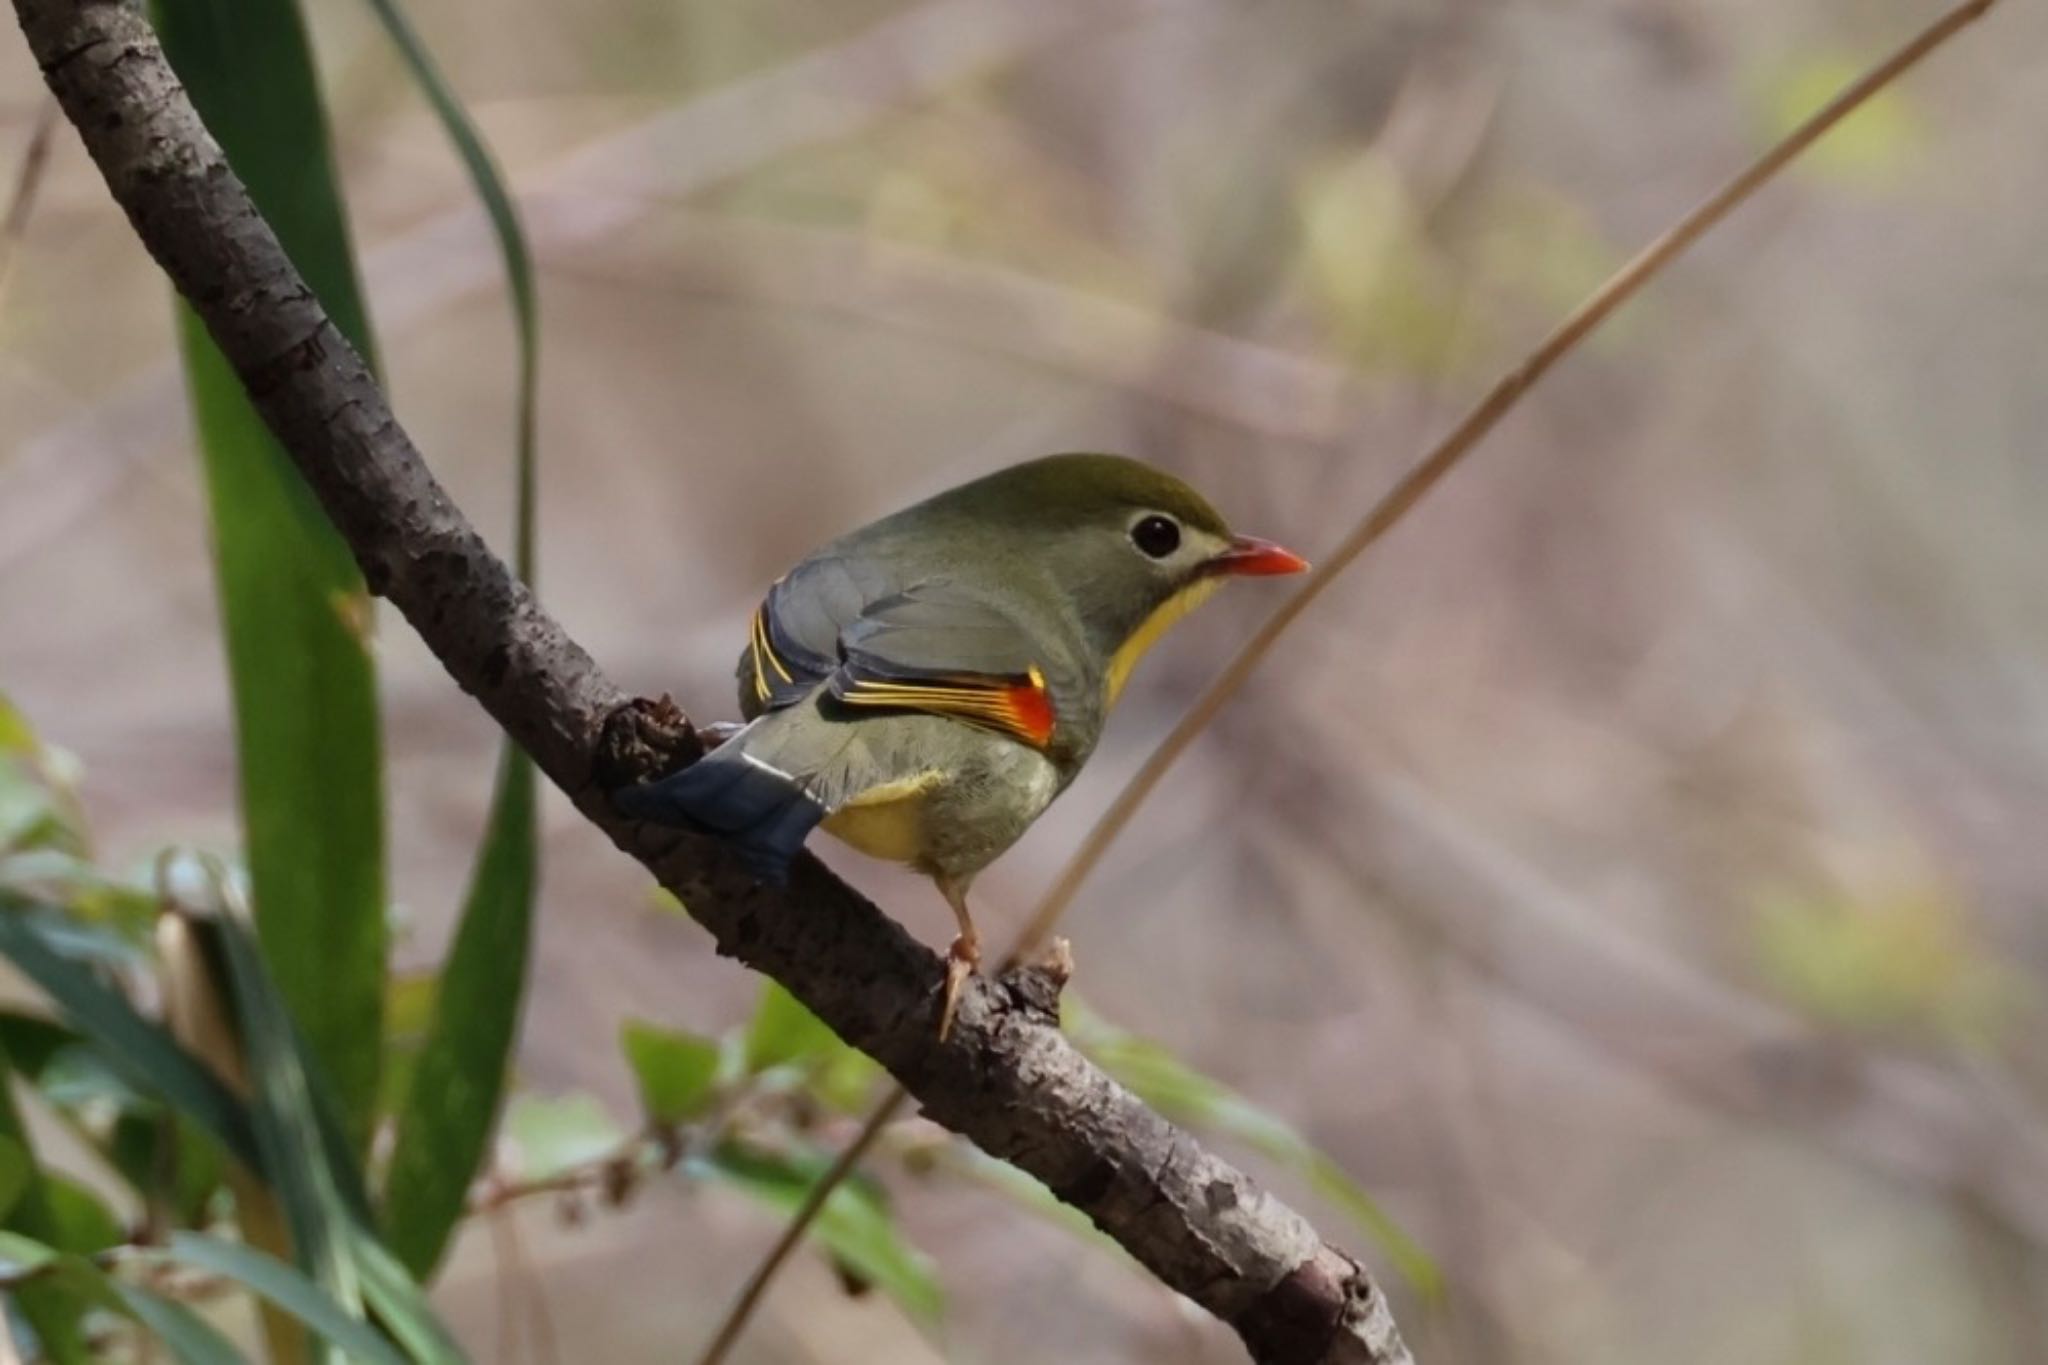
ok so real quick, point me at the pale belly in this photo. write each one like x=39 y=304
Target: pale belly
x=886 y=823
x=951 y=824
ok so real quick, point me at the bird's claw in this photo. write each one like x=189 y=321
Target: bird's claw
x=962 y=958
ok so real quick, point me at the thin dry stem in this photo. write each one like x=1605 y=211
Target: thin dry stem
x=1429 y=471
x=21 y=202
x=742 y=1310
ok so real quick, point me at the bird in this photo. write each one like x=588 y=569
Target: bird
x=923 y=687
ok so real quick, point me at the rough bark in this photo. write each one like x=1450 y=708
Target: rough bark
x=1007 y=1079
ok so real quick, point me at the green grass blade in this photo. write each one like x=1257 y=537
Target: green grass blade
x=401 y=1306
x=295 y=612
x=452 y=1103
x=314 y=1170
x=282 y=1285
x=192 y=1339
x=458 y=1081
x=144 y=1053
x=490 y=188
x=52 y=1270
x=284 y=1112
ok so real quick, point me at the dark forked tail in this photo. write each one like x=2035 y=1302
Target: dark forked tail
x=758 y=809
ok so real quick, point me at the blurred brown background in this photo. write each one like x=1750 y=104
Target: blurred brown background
x=1633 y=874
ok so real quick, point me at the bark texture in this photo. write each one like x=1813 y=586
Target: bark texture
x=1007 y=1079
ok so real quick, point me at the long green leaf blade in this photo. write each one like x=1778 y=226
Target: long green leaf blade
x=459 y=1080
x=401 y=1306
x=280 y=1284
x=295 y=612
x=313 y=1169
x=51 y=1270
x=191 y=1338
x=143 y=1053
x=458 y=1084
x=285 y=1116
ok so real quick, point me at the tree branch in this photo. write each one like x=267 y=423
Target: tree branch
x=1008 y=1079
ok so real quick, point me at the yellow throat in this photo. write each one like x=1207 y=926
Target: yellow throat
x=1157 y=624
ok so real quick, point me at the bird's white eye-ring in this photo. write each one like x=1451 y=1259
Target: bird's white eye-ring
x=1157 y=536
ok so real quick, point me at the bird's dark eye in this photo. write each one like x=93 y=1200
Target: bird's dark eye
x=1157 y=536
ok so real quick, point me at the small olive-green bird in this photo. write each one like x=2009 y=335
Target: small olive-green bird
x=925 y=686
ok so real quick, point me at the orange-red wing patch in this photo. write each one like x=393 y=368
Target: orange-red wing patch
x=1022 y=710
x=1031 y=710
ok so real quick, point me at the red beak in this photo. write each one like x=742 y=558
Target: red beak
x=1250 y=556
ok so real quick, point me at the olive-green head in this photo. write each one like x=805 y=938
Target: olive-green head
x=1126 y=548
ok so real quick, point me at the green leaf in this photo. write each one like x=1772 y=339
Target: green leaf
x=84 y=941
x=408 y=1018
x=17 y=736
x=22 y=1256
x=401 y=1305
x=164 y=1156
x=31 y=816
x=518 y=260
x=1187 y=1097
x=553 y=1133
x=111 y=904
x=855 y=1226
x=458 y=1081
x=313 y=1167
x=143 y=1053
x=77 y=1220
x=128 y=1127
x=17 y=1172
x=677 y=1072
x=301 y=1153
x=293 y=605
x=783 y=1031
x=297 y=1161
x=279 y=1284
x=52 y=1309
x=191 y=1338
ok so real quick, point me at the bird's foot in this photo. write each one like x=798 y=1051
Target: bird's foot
x=961 y=961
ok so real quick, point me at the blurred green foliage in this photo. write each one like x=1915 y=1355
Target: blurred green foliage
x=1905 y=963
x=1872 y=148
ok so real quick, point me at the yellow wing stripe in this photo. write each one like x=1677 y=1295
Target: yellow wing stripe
x=762 y=652
x=774 y=659
x=755 y=651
